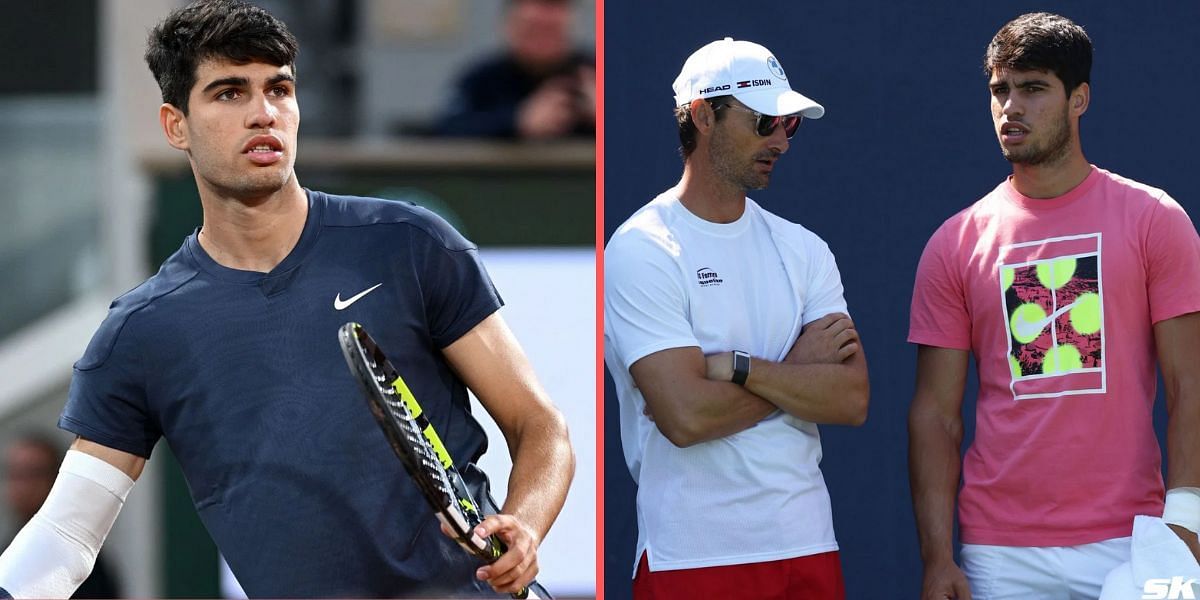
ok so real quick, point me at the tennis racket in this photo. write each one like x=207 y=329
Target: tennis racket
x=418 y=446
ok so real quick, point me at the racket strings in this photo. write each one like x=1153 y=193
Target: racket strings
x=440 y=483
x=417 y=444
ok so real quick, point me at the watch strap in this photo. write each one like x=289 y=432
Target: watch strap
x=741 y=367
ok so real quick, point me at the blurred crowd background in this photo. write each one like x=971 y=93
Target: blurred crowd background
x=481 y=110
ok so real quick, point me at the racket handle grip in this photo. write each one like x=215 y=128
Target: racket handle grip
x=499 y=548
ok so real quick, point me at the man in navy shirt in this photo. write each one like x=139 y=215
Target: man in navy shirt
x=537 y=87
x=230 y=354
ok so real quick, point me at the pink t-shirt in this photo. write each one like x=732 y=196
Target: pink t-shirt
x=1056 y=299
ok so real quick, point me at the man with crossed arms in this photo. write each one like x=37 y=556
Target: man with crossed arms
x=726 y=336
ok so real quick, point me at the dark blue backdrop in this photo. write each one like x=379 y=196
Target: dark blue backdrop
x=905 y=143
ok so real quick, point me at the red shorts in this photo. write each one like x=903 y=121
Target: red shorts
x=815 y=577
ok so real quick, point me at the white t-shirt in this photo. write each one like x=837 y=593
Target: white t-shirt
x=674 y=280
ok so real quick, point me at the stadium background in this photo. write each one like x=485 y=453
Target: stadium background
x=93 y=199
x=905 y=143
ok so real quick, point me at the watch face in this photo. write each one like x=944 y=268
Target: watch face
x=741 y=367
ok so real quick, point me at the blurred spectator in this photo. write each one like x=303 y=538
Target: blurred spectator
x=538 y=87
x=30 y=466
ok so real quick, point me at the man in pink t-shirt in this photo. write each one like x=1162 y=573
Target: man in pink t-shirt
x=1065 y=282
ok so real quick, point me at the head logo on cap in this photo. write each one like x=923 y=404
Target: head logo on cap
x=776 y=68
x=746 y=71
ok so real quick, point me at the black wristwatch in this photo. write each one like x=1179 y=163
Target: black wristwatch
x=741 y=367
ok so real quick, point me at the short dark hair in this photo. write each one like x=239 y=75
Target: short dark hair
x=227 y=29
x=687 y=129
x=1042 y=42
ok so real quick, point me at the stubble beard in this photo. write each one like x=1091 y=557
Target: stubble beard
x=1054 y=150
x=727 y=166
x=258 y=183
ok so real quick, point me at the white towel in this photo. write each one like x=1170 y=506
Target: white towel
x=1157 y=558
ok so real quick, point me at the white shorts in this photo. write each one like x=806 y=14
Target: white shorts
x=1049 y=573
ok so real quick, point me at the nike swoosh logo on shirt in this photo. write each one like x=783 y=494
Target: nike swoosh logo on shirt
x=339 y=304
x=1025 y=329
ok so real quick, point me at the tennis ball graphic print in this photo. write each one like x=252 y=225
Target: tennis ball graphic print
x=1051 y=291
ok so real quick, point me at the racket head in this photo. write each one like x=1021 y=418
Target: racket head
x=408 y=433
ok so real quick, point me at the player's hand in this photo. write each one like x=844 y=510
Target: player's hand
x=586 y=98
x=1189 y=538
x=518 y=566
x=548 y=112
x=945 y=582
x=828 y=340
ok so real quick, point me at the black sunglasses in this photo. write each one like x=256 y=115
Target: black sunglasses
x=766 y=124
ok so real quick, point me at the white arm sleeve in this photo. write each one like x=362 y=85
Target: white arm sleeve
x=55 y=551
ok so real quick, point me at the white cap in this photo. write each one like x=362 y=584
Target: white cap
x=745 y=70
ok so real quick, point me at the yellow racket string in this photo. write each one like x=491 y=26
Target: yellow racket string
x=414 y=409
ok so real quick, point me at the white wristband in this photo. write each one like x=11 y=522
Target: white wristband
x=1183 y=508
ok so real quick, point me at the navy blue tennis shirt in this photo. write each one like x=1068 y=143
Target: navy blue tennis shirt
x=242 y=374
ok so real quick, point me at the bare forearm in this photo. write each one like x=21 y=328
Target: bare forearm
x=707 y=410
x=690 y=406
x=934 y=467
x=1183 y=457
x=823 y=378
x=543 y=465
x=1177 y=341
x=818 y=393
x=1183 y=445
